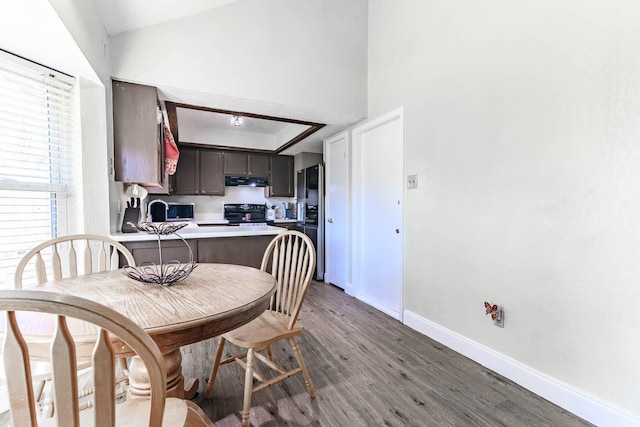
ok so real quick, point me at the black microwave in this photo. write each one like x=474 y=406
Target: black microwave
x=160 y=211
x=180 y=212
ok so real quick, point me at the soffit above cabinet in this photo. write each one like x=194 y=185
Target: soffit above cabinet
x=212 y=127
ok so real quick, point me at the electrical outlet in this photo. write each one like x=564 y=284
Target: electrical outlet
x=412 y=181
x=499 y=321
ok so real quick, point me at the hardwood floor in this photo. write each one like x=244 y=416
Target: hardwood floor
x=370 y=370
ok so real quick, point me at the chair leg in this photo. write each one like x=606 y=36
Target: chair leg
x=214 y=369
x=47 y=408
x=248 y=388
x=305 y=373
x=121 y=363
x=270 y=353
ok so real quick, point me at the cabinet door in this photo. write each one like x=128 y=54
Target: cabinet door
x=235 y=163
x=138 y=153
x=258 y=165
x=281 y=177
x=187 y=176
x=211 y=172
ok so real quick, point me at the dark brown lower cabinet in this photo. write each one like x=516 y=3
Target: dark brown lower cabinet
x=147 y=251
x=245 y=250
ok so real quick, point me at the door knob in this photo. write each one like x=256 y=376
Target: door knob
x=330 y=220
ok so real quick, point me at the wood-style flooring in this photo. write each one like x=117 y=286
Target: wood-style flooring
x=370 y=370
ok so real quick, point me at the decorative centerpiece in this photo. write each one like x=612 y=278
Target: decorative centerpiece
x=164 y=273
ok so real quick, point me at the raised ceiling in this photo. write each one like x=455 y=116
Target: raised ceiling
x=211 y=127
x=119 y=16
x=199 y=121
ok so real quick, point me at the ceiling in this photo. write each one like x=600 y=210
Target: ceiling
x=119 y=16
x=231 y=129
x=265 y=127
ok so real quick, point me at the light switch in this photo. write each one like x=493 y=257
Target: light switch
x=412 y=181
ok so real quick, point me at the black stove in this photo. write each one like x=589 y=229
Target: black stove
x=245 y=213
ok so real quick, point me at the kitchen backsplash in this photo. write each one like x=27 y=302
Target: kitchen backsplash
x=211 y=207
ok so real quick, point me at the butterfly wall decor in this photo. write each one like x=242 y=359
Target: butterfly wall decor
x=492 y=310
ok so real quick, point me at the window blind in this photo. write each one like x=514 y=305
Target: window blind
x=37 y=130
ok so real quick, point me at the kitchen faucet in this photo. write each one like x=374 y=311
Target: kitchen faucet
x=151 y=203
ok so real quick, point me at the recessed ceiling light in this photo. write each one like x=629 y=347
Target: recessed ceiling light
x=236 y=121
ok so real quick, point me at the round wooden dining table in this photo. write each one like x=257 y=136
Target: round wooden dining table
x=213 y=299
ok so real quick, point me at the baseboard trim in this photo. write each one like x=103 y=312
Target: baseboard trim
x=386 y=310
x=553 y=390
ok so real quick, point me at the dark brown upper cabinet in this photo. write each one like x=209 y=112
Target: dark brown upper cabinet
x=187 y=176
x=281 y=177
x=199 y=172
x=137 y=135
x=244 y=164
x=235 y=163
x=211 y=176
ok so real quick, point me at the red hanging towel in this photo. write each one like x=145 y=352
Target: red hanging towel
x=171 y=152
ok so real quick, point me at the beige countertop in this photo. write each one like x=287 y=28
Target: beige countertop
x=204 y=232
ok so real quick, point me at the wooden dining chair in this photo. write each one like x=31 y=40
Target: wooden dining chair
x=156 y=411
x=291 y=259
x=65 y=257
x=60 y=258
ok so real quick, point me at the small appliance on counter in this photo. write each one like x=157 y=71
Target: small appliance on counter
x=131 y=215
x=271 y=213
x=245 y=214
x=135 y=199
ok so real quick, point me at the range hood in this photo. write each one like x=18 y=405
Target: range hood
x=233 y=181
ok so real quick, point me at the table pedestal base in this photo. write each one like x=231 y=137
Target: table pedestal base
x=139 y=379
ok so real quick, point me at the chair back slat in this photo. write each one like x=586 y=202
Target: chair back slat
x=95 y=253
x=289 y=273
x=65 y=390
x=41 y=270
x=290 y=258
x=275 y=299
x=115 y=260
x=56 y=264
x=308 y=257
x=63 y=353
x=104 y=385
x=87 y=258
x=103 y=258
x=72 y=261
x=18 y=369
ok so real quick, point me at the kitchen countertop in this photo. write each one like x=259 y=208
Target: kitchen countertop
x=204 y=232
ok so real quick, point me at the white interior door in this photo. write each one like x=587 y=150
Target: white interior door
x=336 y=227
x=377 y=213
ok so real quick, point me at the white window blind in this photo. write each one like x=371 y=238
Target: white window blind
x=37 y=126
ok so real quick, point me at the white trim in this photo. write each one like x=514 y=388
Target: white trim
x=350 y=289
x=549 y=388
x=386 y=310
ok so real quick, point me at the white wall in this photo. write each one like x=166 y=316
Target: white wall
x=522 y=122
x=67 y=35
x=307 y=55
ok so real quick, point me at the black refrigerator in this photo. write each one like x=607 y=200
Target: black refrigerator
x=310 y=210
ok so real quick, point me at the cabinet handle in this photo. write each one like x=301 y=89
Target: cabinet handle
x=397 y=231
x=330 y=220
